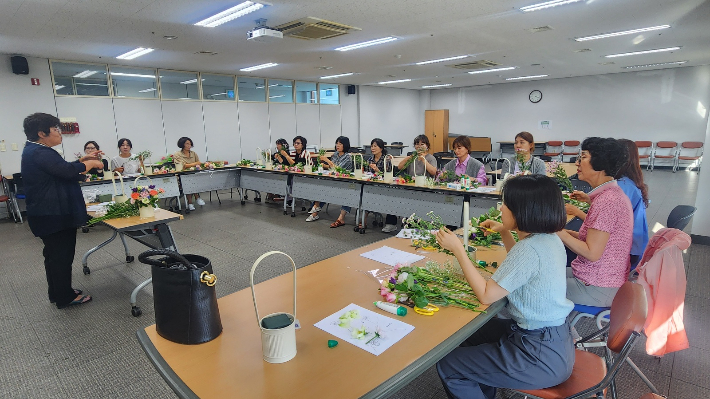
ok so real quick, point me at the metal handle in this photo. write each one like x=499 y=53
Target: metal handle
x=391 y=163
x=251 y=279
x=135 y=183
x=113 y=180
x=143 y=258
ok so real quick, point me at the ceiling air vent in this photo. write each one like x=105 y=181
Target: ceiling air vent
x=475 y=65
x=540 y=29
x=310 y=28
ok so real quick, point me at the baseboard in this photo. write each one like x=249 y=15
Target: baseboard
x=680 y=169
x=698 y=239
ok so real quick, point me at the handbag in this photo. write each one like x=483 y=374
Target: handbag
x=185 y=300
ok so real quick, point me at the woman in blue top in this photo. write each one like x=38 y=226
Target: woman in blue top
x=534 y=349
x=55 y=205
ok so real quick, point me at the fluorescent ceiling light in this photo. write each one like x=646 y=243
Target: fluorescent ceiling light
x=235 y=12
x=255 y=67
x=191 y=81
x=433 y=86
x=441 y=60
x=367 y=44
x=336 y=76
x=134 y=75
x=58 y=87
x=282 y=95
x=492 y=70
x=134 y=53
x=547 y=4
x=147 y=90
x=394 y=81
x=625 y=32
x=527 y=77
x=653 y=65
x=658 y=50
x=85 y=74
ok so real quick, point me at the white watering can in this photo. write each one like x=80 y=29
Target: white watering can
x=278 y=330
x=358 y=171
x=118 y=198
x=419 y=181
x=389 y=175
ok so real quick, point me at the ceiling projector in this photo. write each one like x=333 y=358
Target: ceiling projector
x=264 y=35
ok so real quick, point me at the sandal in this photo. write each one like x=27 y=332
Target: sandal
x=76 y=291
x=337 y=223
x=83 y=299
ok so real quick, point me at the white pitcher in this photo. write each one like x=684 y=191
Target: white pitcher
x=259 y=157
x=118 y=198
x=278 y=344
x=358 y=171
x=389 y=175
x=419 y=181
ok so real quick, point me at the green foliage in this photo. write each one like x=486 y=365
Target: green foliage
x=579 y=204
x=409 y=161
x=478 y=237
x=437 y=285
x=245 y=162
x=426 y=230
x=115 y=211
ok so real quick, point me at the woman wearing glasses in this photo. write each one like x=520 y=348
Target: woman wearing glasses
x=425 y=161
x=89 y=148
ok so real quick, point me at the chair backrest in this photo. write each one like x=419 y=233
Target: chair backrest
x=356 y=150
x=545 y=158
x=690 y=149
x=410 y=153
x=397 y=143
x=644 y=144
x=629 y=310
x=680 y=216
x=666 y=144
x=691 y=144
x=571 y=143
x=554 y=143
x=573 y=159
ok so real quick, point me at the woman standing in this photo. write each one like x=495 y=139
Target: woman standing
x=55 y=205
x=341 y=158
x=89 y=148
x=525 y=146
x=188 y=159
x=464 y=164
x=123 y=163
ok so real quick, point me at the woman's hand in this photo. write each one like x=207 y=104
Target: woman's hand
x=448 y=240
x=93 y=164
x=574 y=211
x=580 y=196
x=324 y=158
x=374 y=167
x=283 y=152
x=492 y=225
x=278 y=158
x=119 y=170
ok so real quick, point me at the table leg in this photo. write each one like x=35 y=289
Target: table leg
x=129 y=258
x=466 y=206
x=85 y=258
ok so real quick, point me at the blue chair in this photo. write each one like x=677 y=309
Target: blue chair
x=592 y=312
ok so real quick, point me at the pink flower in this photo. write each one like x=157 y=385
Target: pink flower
x=390 y=297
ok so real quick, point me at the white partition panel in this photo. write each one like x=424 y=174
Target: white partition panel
x=330 y=125
x=283 y=122
x=140 y=121
x=308 y=123
x=222 y=131
x=95 y=119
x=184 y=119
x=253 y=128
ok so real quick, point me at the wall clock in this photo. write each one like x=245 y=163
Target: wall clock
x=535 y=96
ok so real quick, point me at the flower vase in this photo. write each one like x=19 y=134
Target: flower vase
x=269 y=165
x=146 y=212
x=419 y=181
x=178 y=167
x=148 y=170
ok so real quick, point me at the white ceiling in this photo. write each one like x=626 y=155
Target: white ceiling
x=495 y=30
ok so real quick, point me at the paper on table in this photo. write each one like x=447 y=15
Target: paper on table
x=98 y=207
x=483 y=190
x=391 y=256
x=390 y=330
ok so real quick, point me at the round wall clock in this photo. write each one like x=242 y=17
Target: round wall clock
x=535 y=96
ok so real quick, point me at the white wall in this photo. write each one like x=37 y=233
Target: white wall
x=390 y=114
x=701 y=220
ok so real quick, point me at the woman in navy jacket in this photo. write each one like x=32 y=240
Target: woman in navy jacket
x=55 y=205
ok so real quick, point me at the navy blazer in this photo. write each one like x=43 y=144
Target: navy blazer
x=53 y=196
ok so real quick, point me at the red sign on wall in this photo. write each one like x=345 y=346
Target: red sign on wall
x=35 y=81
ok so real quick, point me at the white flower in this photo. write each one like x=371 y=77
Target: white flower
x=402 y=277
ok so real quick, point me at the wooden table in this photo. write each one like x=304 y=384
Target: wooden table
x=232 y=365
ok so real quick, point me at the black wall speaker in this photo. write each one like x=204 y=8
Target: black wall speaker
x=19 y=65
x=351 y=89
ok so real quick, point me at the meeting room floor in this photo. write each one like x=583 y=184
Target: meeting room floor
x=90 y=351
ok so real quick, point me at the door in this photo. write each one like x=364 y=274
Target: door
x=436 y=128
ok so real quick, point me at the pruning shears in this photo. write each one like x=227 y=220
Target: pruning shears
x=428 y=310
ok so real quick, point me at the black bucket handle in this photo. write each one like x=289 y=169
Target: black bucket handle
x=144 y=258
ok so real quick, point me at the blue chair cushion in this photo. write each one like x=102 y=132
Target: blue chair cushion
x=595 y=310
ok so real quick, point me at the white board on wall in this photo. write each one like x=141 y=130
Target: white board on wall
x=222 y=131
x=308 y=123
x=253 y=128
x=95 y=119
x=140 y=121
x=330 y=125
x=283 y=122
x=184 y=119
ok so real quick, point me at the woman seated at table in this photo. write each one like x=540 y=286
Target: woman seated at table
x=340 y=158
x=299 y=145
x=425 y=162
x=276 y=157
x=603 y=243
x=525 y=145
x=533 y=349
x=123 y=163
x=374 y=164
x=464 y=164
x=90 y=148
x=188 y=159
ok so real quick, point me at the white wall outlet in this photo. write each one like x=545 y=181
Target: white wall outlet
x=14 y=147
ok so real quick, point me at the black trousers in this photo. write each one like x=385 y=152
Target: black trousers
x=58 y=254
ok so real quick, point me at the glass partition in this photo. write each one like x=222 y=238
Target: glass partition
x=329 y=93
x=251 y=89
x=306 y=93
x=217 y=87
x=176 y=85
x=280 y=91
x=133 y=82
x=80 y=79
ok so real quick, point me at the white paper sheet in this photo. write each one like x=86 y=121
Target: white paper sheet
x=391 y=256
x=391 y=330
x=98 y=207
x=483 y=190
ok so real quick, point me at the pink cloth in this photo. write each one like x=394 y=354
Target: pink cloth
x=461 y=166
x=611 y=212
x=662 y=275
x=482 y=178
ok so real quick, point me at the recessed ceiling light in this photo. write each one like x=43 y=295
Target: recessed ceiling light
x=547 y=4
x=658 y=50
x=394 y=81
x=135 y=53
x=653 y=65
x=169 y=37
x=492 y=70
x=433 y=86
x=235 y=12
x=147 y=90
x=255 y=67
x=367 y=43
x=336 y=76
x=85 y=74
x=458 y=57
x=621 y=33
x=527 y=77
x=134 y=75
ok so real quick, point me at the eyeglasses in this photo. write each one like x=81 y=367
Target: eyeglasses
x=90 y=148
x=58 y=127
x=297 y=142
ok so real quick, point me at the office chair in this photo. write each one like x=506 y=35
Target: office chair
x=680 y=216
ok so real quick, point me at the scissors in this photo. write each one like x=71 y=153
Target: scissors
x=428 y=310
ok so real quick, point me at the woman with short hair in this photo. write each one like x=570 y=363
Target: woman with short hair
x=464 y=164
x=525 y=145
x=300 y=153
x=91 y=147
x=123 y=162
x=425 y=163
x=188 y=159
x=340 y=158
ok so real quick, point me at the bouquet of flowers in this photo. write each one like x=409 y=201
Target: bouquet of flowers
x=403 y=179
x=481 y=240
x=321 y=152
x=296 y=167
x=166 y=160
x=145 y=195
x=115 y=211
x=245 y=162
x=447 y=176
x=426 y=231
x=520 y=158
x=558 y=173
x=341 y=172
x=78 y=155
x=433 y=284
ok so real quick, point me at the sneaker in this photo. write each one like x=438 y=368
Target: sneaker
x=200 y=202
x=312 y=218
x=389 y=228
x=315 y=209
x=191 y=207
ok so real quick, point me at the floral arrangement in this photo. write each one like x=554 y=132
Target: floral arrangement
x=321 y=152
x=520 y=158
x=480 y=239
x=358 y=162
x=280 y=167
x=426 y=231
x=78 y=155
x=341 y=172
x=245 y=162
x=403 y=179
x=558 y=173
x=447 y=176
x=161 y=170
x=143 y=196
x=166 y=160
x=145 y=154
x=420 y=286
x=115 y=211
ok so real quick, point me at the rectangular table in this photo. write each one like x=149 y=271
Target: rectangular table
x=327 y=189
x=168 y=183
x=232 y=365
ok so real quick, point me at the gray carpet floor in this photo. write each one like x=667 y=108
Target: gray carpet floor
x=91 y=351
